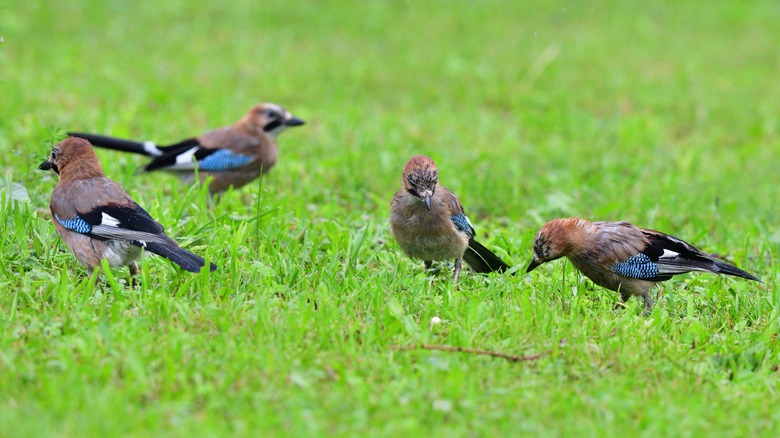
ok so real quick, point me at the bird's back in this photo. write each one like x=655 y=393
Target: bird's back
x=82 y=195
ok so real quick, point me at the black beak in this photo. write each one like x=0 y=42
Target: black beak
x=427 y=201
x=294 y=121
x=46 y=165
x=532 y=266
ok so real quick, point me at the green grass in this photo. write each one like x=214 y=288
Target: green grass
x=660 y=113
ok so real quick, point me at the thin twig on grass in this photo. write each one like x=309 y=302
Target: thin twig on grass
x=508 y=357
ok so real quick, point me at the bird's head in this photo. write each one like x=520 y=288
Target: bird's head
x=420 y=178
x=271 y=119
x=553 y=241
x=69 y=152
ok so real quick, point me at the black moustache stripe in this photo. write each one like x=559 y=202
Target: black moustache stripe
x=272 y=125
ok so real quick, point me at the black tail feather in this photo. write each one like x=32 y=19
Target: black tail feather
x=725 y=268
x=116 y=144
x=482 y=260
x=187 y=260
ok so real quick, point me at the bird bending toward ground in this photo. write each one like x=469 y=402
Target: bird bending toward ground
x=98 y=220
x=622 y=257
x=232 y=156
x=429 y=223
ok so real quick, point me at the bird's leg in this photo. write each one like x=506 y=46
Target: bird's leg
x=458 y=266
x=428 y=264
x=133 y=272
x=648 y=299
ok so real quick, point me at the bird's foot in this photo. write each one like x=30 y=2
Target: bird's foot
x=458 y=267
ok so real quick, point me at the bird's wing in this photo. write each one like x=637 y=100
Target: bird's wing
x=118 y=218
x=675 y=256
x=625 y=250
x=656 y=256
x=210 y=156
x=457 y=214
x=651 y=255
x=132 y=223
x=112 y=221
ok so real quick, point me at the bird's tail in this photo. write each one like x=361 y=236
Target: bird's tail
x=482 y=260
x=144 y=148
x=187 y=260
x=725 y=268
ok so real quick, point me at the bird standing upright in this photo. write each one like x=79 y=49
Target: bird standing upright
x=98 y=220
x=429 y=223
x=622 y=257
x=232 y=156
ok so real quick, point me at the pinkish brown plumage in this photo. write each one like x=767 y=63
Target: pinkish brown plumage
x=429 y=223
x=231 y=156
x=98 y=220
x=622 y=257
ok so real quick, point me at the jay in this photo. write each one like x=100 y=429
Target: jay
x=429 y=223
x=622 y=257
x=98 y=220
x=232 y=156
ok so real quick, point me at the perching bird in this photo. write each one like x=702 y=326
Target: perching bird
x=429 y=223
x=622 y=257
x=233 y=156
x=98 y=220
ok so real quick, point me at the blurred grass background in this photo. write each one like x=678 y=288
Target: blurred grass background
x=664 y=114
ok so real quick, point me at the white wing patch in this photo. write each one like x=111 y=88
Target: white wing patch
x=669 y=254
x=109 y=220
x=184 y=160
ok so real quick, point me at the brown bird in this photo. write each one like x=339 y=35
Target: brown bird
x=232 y=156
x=98 y=220
x=429 y=223
x=622 y=257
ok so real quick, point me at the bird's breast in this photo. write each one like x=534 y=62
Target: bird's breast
x=424 y=234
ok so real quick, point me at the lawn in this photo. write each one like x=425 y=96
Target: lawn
x=664 y=114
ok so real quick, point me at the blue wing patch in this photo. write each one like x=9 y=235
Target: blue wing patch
x=463 y=224
x=639 y=266
x=223 y=159
x=76 y=224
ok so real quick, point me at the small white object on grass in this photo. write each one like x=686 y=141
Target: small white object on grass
x=435 y=320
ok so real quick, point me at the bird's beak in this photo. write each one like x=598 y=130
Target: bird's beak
x=534 y=263
x=46 y=165
x=427 y=200
x=294 y=121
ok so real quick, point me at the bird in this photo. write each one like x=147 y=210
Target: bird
x=99 y=220
x=622 y=257
x=429 y=223
x=232 y=156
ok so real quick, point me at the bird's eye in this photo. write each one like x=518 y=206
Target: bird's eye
x=271 y=114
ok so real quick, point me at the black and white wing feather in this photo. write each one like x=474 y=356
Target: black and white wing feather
x=189 y=153
x=480 y=259
x=132 y=223
x=665 y=256
x=181 y=156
